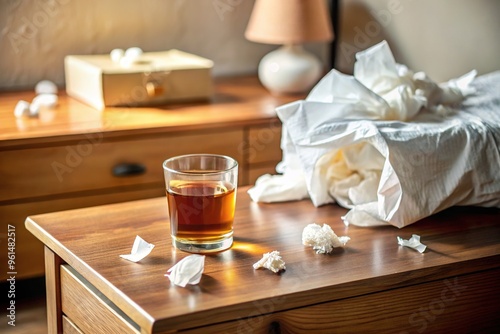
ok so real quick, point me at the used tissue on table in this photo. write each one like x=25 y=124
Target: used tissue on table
x=322 y=239
x=413 y=242
x=187 y=271
x=272 y=261
x=390 y=144
x=140 y=249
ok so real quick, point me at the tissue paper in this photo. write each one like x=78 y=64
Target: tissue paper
x=322 y=239
x=413 y=242
x=140 y=249
x=270 y=188
x=390 y=144
x=271 y=261
x=187 y=271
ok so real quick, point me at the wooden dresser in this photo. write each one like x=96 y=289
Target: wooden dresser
x=373 y=285
x=75 y=156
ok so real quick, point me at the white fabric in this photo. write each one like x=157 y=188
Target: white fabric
x=390 y=144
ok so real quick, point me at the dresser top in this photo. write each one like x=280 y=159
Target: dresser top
x=459 y=241
x=236 y=100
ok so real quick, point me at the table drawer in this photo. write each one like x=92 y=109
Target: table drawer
x=441 y=306
x=88 y=164
x=69 y=327
x=88 y=309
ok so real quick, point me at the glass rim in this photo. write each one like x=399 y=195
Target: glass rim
x=222 y=171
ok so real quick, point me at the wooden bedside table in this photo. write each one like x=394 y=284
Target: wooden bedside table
x=70 y=157
x=372 y=285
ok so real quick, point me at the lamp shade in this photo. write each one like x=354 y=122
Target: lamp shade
x=289 y=22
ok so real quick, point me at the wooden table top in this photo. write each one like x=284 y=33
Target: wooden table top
x=459 y=241
x=236 y=101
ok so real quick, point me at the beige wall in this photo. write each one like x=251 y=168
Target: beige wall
x=444 y=38
x=35 y=35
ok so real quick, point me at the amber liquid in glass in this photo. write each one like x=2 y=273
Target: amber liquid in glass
x=201 y=211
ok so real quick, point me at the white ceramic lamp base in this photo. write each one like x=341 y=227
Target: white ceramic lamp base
x=289 y=70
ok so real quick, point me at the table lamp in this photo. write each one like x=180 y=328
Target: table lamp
x=290 y=69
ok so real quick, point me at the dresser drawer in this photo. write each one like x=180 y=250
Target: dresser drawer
x=263 y=143
x=88 y=310
x=263 y=150
x=88 y=164
x=69 y=327
x=257 y=171
x=441 y=306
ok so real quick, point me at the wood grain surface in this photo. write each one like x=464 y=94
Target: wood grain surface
x=65 y=158
x=461 y=241
x=236 y=101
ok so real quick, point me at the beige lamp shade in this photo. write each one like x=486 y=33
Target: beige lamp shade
x=289 y=22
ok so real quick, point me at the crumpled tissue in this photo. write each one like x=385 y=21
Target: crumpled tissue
x=389 y=144
x=270 y=188
x=413 y=242
x=272 y=261
x=140 y=249
x=187 y=271
x=322 y=239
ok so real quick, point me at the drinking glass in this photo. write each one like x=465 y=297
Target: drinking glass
x=201 y=194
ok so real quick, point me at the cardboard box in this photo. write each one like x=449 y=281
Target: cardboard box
x=154 y=78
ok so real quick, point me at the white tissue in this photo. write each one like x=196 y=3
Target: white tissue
x=22 y=109
x=291 y=186
x=140 y=249
x=126 y=57
x=45 y=87
x=131 y=56
x=322 y=239
x=388 y=144
x=271 y=261
x=413 y=242
x=272 y=188
x=133 y=53
x=46 y=100
x=116 y=55
x=46 y=97
x=187 y=271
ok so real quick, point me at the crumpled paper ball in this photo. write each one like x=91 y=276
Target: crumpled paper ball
x=271 y=261
x=322 y=239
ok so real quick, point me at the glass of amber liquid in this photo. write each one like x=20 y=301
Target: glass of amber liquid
x=201 y=194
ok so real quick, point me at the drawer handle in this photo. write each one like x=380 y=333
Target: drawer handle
x=128 y=169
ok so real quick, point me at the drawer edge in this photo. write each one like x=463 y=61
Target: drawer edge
x=72 y=280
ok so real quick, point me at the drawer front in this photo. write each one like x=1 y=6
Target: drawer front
x=460 y=304
x=257 y=171
x=88 y=164
x=263 y=144
x=262 y=150
x=88 y=310
x=69 y=327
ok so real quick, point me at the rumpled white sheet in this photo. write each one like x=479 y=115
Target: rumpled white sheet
x=389 y=144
